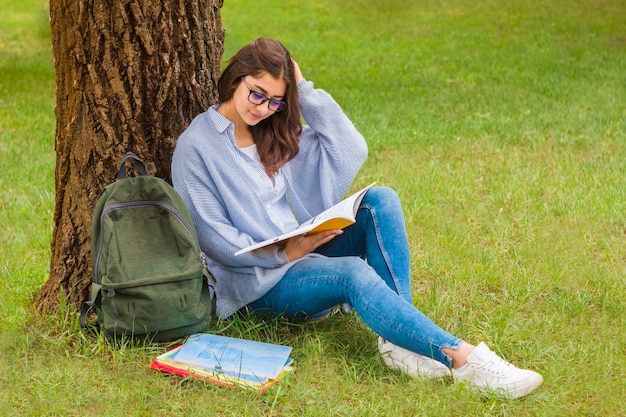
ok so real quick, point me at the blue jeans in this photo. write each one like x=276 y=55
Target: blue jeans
x=367 y=267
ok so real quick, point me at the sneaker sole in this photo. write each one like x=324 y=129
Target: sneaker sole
x=516 y=391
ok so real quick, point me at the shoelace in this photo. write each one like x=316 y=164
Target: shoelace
x=497 y=366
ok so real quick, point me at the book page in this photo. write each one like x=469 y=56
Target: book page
x=337 y=217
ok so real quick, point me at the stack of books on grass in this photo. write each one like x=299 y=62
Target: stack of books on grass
x=227 y=361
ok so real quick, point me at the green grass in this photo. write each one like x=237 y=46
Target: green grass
x=503 y=127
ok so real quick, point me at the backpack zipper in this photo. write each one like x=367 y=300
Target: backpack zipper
x=136 y=204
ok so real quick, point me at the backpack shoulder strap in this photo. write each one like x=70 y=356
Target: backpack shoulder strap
x=139 y=166
x=89 y=305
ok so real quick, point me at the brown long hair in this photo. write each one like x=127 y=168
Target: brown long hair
x=277 y=136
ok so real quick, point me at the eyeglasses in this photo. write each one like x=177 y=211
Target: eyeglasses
x=258 y=99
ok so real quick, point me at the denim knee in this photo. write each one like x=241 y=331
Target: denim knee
x=382 y=197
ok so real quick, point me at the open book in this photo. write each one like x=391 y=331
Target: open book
x=337 y=217
x=227 y=361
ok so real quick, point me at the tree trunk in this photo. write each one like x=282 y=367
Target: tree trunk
x=130 y=76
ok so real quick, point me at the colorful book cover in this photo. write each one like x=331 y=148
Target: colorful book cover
x=228 y=361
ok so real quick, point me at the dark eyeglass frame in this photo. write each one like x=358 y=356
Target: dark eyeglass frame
x=257 y=98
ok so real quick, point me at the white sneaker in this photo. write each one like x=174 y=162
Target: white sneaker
x=487 y=372
x=411 y=363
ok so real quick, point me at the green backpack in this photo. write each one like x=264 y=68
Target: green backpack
x=150 y=278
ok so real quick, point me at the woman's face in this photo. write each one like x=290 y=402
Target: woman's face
x=264 y=90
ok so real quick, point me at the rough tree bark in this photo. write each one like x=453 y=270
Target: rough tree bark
x=130 y=76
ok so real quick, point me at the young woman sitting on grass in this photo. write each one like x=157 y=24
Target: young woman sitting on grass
x=249 y=170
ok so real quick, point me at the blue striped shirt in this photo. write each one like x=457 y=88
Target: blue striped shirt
x=233 y=202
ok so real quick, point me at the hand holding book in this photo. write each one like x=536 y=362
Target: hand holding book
x=337 y=217
x=298 y=246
